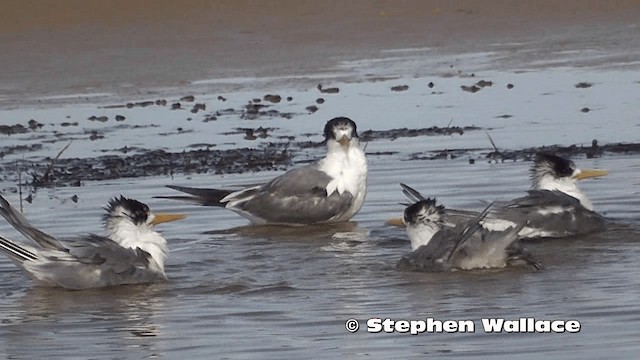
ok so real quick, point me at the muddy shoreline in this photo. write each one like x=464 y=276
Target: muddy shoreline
x=273 y=156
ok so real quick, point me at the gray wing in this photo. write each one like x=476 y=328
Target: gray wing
x=88 y=262
x=469 y=246
x=468 y=231
x=555 y=212
x=21 y=224
x=305 y=179
x=296 y=197
x=94 y=261
x=486 y=249
x=454 y=217
x=99 y=250
x=432 y=257
x=542 y=198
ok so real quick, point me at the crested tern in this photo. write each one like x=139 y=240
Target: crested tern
x=554 y=208
x=439 y=246
x=329 y=190
x=131 y=253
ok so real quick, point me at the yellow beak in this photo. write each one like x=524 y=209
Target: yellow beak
x=397 y=222
x=163 y=218
x=344 y=140
x=590 y=173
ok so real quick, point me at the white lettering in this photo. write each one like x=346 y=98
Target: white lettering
x=492 y=325
x=402 y=326
x=374 y=325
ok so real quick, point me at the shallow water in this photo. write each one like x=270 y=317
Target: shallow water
x=286 y=293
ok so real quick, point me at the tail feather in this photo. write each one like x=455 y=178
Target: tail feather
x=16 y=251
x=206 y=197
x=21 y=224
x=411 y=193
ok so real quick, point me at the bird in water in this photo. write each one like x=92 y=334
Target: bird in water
x=328 y=190
x=555 y=207
x=441 y=246
x=131 y=252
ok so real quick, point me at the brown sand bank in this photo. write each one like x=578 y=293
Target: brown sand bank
x=128 y=47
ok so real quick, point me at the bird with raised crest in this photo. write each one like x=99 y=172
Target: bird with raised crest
x=441 y=246
x=132 y=252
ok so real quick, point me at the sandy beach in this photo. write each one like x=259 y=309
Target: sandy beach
x=131 y=48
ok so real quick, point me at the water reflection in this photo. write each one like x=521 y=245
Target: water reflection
x=107 y=320
x=316 y=232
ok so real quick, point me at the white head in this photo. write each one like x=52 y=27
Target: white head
x=423 y=219
x=130 y=223
x=551 y=172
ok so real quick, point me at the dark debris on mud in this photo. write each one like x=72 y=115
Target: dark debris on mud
x=527 y=154
x=279 y=156
x=74 y=171
x=8 y=150
x=13 y=129
x=405 y=132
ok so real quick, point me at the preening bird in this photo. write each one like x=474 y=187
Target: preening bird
x=130 y=253
x=441 y=246
x=554 y=208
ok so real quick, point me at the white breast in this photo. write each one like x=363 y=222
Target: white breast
x=348 y=170
x=567 y=186
x=420 y=234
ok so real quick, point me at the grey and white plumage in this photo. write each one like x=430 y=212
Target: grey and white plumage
x=329 y=190
x=131 y=253
x=555 y=207
x=441 y=246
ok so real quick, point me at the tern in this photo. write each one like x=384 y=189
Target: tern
x=438 y=246
x=555 y=207
x=131 y=253
x=329 y=190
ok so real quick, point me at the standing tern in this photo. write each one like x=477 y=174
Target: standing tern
x=329 y=190
x=132 y=252
x=438 y=246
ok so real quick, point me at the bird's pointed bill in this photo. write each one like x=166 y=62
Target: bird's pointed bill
x=163 y=218
x=590 y=173
x=397 y=222
x=344 y=140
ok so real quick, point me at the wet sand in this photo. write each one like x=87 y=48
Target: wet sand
x=131 y=49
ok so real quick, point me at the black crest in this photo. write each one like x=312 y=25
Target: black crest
x=549 y=164
x=424 y=210
x=135 y=210
x=339 y=122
